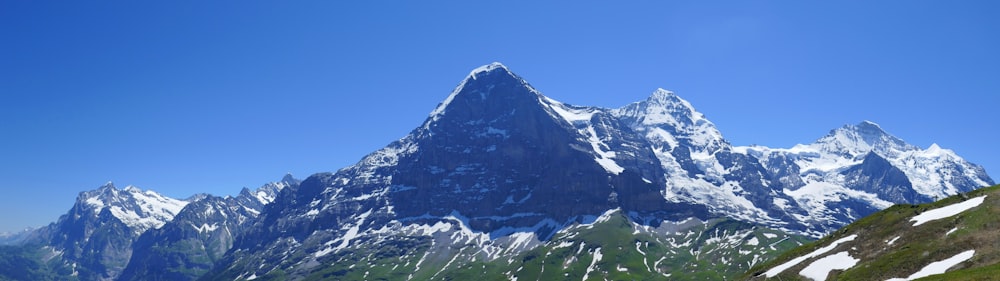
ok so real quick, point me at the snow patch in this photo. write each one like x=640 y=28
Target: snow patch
x=571 y=115
x=820 y=269
x=205 y=227
x=345 y=240
x=789 y=264
x=593 y=263
x=893 y=240
x=264 y=198
x=947 y=211
x=603 y=157
x=939 y=267
x=96 y=203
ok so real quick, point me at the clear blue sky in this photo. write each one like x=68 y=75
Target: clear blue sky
x=185 y=97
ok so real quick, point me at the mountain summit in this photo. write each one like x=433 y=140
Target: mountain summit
x=858 y=140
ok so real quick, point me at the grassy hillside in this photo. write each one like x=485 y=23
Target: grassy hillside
x=616 y=250
x=27 y=262
x=888 y=244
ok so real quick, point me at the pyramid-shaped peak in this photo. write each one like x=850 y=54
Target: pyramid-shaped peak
x=133 y=189
x=107 y=185
x=666 y=97
x=107 y=188
x=489 y=68
x=288 y=178
x=483 y=85
x=661 y=93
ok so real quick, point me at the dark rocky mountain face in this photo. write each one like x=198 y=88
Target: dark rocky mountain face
x=876 y=175
x=494 y=156
x=496 y=153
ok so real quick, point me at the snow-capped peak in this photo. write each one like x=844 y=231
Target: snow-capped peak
x=934 y=172
x=140 y=210
x=857 y=140
x=867 y=123
x=663 y=97
x=665 y=114
x=935 y=149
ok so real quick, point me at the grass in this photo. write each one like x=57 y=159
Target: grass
x=915 y=247
x=703 y=258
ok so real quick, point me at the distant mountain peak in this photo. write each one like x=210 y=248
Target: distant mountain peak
x=138 y=209
x=867 y=128
x=867 y=123
x=288 y=178
x=858 y=140
x=661 y=96
x=665 y=107
x=665 y=113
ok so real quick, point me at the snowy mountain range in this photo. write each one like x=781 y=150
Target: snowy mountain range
x=498 y=179
x=108 y=227
x=498 y=169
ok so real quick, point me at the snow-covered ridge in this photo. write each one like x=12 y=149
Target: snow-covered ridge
x=142 y=210
x=929 y=170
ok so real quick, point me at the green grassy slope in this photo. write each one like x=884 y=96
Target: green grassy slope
x=616 y=250
x=912 y=247
x=613 y=248
x=27 y=262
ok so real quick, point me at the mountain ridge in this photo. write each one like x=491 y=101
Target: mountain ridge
x=498 y=170
x=496 y=148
